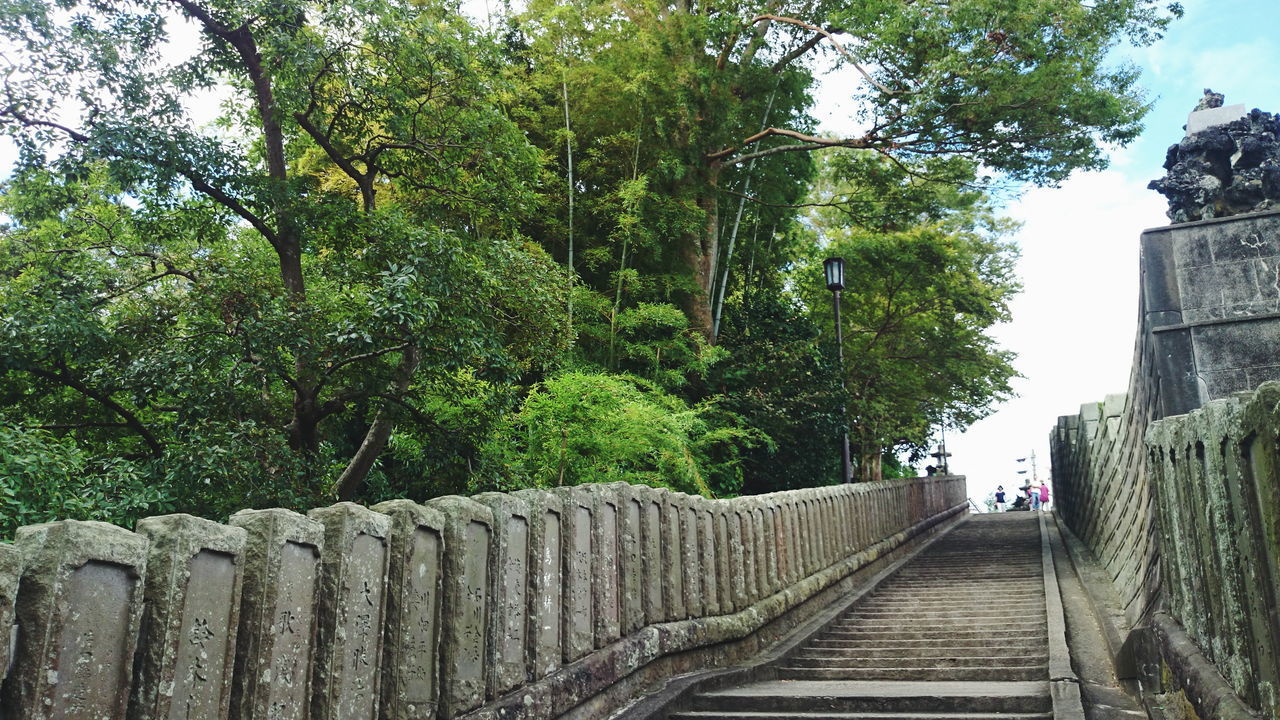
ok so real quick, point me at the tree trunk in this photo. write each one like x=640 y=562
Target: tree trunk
x=375 y=440
x=699 y=255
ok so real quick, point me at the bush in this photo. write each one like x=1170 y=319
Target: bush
x=583 y=427
x=45 y=478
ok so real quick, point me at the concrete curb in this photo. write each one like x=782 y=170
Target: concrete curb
x=1208 y=692
x=1064 y=685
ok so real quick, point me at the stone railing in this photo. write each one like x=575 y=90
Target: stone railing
x=1215 y=477
x=532 y=604
x=1209 y=326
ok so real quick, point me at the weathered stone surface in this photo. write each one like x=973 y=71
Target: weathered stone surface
x=275 y=640
x=766 y=562
x=350 y=613
x=712 y=573
x=733 y=539
x=546 y=586
x=579 y=606
x=1213 y=475
x=691 y=555
x=1228 y=164
x=606 y=579
x=652 y=541
x=190 y=620
x=10 y=574
x=468 y=533
x=631 y=502
x=673 y=557
x=509 y=594
x=782 y=541
x=79 y=608
x=415 y=576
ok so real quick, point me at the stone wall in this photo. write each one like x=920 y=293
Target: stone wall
x=1216 y=489
x=520 y=605
x=1209 y=327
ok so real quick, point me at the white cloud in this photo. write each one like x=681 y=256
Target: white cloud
x=1073 y=325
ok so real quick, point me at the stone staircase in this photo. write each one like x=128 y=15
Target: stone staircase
x=959 y=632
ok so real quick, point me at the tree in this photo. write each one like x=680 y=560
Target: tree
x=345 y=231
x=922 y=291
x=705 y=90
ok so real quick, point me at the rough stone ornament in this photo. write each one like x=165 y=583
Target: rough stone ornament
x=1229 y=168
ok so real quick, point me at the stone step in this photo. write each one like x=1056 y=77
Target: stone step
x=825 y=696
x=952 y=600
x=923 y=675
x=935 y=660
x=968 y=575
x=745 y=715
x=995 y=587
x=880 y=648
x=925 y=613
x=976 y=596
x=962 y=628
x=929 y=633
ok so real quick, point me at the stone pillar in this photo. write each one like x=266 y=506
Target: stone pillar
x=79 y=608
x=652 y=579
x=737 y=535
x=828 y=525
x=766 y=525
x=10 y=574
x=509 y=593
x=189 y=624
x=277 y=615
x=812 y=531
x=605 y=561
x=468 y=533
x=795 y=551
x=707 y=560
x=690 y=555
x=351 y=612
x=673 y=556
x=844 y=523
x=411 y=646
x=631 y=500
x=776 y=526
x=578 y=637
x=862 y=511
x=546 y=587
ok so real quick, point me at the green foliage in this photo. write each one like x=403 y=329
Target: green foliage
x=45 y=478
x=580 y=428
x=782 y=379
x=648 y=340
x=918 y=304
x=352 y=283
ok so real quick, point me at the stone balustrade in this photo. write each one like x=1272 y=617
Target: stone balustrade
x=523 y=605
x=1215 y=479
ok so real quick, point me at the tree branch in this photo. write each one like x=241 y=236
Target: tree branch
x=197 y=182
x=130 y=420
x=362 y=180
x=812 y=142
x=804 y=47
x=830 y=36
x=329 y=371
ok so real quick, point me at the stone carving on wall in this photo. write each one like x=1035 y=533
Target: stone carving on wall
x=1228 y=163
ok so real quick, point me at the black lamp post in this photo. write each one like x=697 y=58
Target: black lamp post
x=834 y=269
